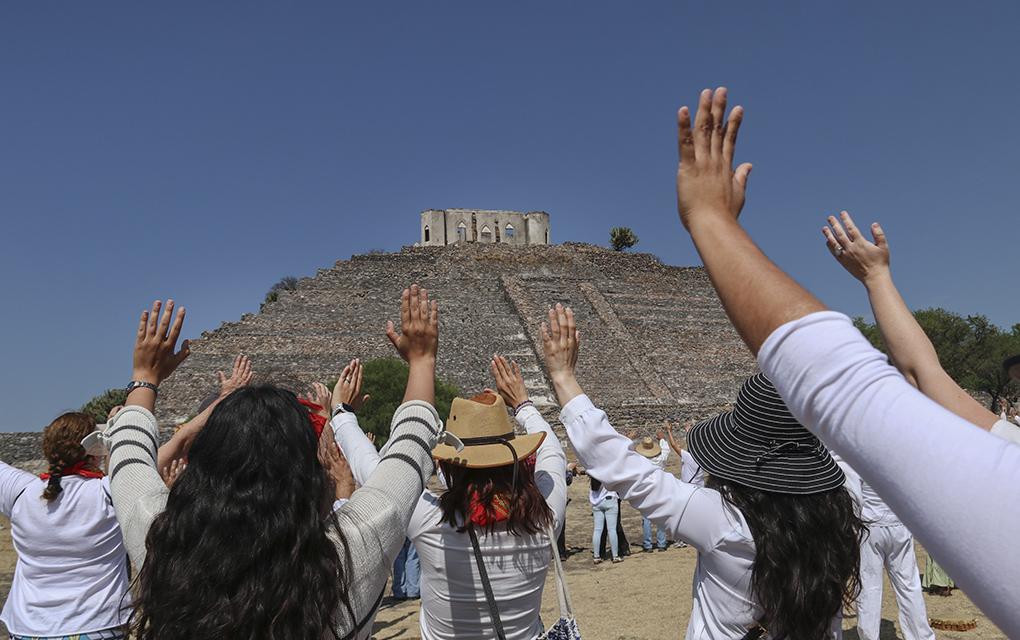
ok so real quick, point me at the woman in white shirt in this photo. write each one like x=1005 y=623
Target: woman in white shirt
x=71 y=577
x=605 y=511
x=508 y=491
x=845 y=391
x=777 y=533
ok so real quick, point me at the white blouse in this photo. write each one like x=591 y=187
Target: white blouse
x=71 y=575
x=947 y=480
x=452 y=599
x=722 y=580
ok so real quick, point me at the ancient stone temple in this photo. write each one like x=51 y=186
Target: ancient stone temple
x=655 y=340
x=442 y=227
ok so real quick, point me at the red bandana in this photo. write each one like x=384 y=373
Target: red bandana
x=76 y=469
x=318 y=422
x=500 y=506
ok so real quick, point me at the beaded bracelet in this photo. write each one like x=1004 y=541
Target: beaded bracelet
x=526 y=403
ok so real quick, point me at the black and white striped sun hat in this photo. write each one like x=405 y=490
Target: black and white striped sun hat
x=761 y=445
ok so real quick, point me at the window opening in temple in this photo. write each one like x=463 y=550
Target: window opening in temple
x=461 y=232
x=486 y=234
x=426 y=233
x=509 y=232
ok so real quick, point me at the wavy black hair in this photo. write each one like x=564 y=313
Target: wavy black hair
x=807 y=555
x=243 y=549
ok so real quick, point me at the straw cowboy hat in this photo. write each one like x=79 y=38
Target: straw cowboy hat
x=648 y=448
x=761 y=445
x=484 y=427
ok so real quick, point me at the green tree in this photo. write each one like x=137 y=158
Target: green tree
x=288 y=283
x=621 y=238
x=99 y=406
x=971 y=349
x=385 y=380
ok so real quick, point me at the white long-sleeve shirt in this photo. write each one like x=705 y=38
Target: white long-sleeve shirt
x=71 y=575
x=965 y=513
x=452 y=600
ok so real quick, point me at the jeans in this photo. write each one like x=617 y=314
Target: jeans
x=660 y=538
x=407 y=572
x=605 y=514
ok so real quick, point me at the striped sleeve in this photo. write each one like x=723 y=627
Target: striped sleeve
x=373 y=523
x=139 y=493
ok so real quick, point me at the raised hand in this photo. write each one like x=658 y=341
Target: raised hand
x=864 y=259
x=509 y=381
x=419 y=326
x=560 y=343
x=240 y=376
x=156 y=355
x=336 y=466
x=348 y=386
x=706 y=184
x=171 y=472
x=417 y=343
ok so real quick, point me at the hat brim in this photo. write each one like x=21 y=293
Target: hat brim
x=486 y=456
x=654 y=452
x=723 y=451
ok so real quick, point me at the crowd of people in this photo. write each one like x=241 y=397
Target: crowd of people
x=272 y=515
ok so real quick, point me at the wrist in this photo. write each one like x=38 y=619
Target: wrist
x=422 y=361
x=704 y=217
x=144 y=375
x=877 y=278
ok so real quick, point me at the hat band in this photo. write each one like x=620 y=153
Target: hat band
x=785 y=447
x=503 y=440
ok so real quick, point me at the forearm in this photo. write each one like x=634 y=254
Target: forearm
x=421 y=381
x=757 y=295
x=138 y=491
x=550 y=462
x=360 y=453
x=912 y=352
x=180 y=443
x=566 y=386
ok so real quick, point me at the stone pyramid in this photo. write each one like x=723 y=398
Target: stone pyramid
x=655 y=340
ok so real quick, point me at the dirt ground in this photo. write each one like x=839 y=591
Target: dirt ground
x=646 y=597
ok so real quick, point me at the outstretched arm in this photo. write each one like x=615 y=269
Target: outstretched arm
x=909 y=348
x=843 y=390
x=418 y=342
x=176 y=448
x=757 y=295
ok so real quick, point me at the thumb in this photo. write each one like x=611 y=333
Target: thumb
x=741 y=175
x=391 y=333
x=365 y=398
x=222 y=378
x=879 y=235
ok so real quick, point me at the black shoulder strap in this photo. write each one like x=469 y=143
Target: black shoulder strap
x=757 y=631
x=493 y=612
x=371 y=612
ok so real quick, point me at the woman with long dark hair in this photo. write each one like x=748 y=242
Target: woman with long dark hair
x=245 y=544
x=778 y=535
x=505 y=496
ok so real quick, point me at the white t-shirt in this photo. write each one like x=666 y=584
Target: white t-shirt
x=596 y=497
x=71 y=575
x=690 y=471
x=947 y=480
x=452 y=599
x=722 y=580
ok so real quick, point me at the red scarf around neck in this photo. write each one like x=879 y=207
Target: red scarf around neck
x=500 y=507
x=79 y=468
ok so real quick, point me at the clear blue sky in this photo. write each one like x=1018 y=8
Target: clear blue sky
x=204 y=150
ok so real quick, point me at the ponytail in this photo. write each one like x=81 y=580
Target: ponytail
x=53 y=488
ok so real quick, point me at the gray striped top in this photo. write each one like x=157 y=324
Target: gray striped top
x=373 y=521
